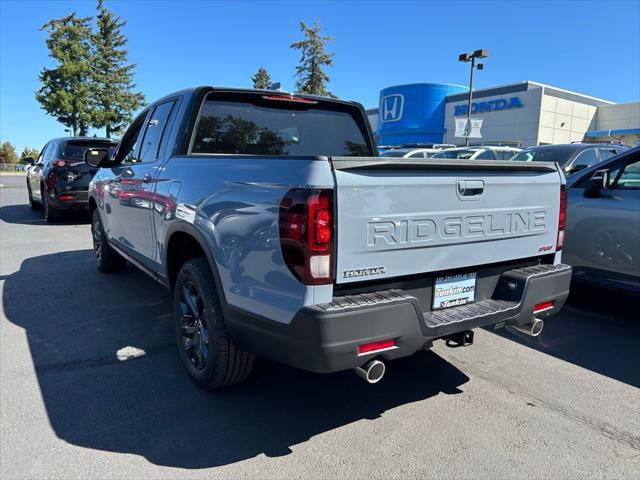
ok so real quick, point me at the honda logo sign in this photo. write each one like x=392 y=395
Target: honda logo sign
x=391 y=107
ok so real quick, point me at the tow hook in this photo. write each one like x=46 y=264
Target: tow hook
x=460 y=339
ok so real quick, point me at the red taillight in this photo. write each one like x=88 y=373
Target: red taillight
x=562 y=220
x=60 y=163
x=543 y=306
x=65 y=198
x=288 y=98
x=306 y=234
x=376 y=346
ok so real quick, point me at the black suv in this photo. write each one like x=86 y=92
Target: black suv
x=59 y=178
x=571 y=156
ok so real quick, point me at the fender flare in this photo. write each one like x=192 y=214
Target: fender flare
x=189 y=229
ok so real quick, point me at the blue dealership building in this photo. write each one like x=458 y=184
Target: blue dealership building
x=519 y=114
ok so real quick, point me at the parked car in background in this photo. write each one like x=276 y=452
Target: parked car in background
x=58 y=179
x=572 y=157
x=603 y=223
x=479 y=153
x=416 y=150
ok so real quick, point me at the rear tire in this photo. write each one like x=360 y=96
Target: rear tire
x=107 y=259
x=51 y=214
x=206 y=350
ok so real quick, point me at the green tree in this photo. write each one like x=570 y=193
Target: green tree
x=112 y=77
x=261 y=79
x=29 y=152
x=8 y=153
x=310 y=72
x=66 y=91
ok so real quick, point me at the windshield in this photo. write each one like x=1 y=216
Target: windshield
x=239 y=127
x=76 y=148
x=394 y=153
x=560 y=155
x=462 y=153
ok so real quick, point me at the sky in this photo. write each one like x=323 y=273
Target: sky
x=589 y=47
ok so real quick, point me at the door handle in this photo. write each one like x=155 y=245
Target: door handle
x=470 y=188
x=146 y=178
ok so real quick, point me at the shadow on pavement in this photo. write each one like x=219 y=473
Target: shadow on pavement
x=23 y=214
x=148 y=406
x=597 y=329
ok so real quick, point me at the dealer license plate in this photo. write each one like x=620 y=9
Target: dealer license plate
x=454 y=290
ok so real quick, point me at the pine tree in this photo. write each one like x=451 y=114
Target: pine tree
x=8 y=153
x=310 y=73
x=261 y=79
x=66 y=92
x=113 y=84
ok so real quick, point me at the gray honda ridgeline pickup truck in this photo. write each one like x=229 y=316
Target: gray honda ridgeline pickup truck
x=281 y=234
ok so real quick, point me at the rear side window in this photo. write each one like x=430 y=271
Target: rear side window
x=236 y=127
x=606 y=153
x=586 y=158
x=75 y=149
x=486 y=155
x=560 y=155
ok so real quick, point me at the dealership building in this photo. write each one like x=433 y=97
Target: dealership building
x=519 y=114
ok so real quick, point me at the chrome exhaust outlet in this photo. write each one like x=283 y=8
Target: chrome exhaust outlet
x=371 y=372
x=533 y=329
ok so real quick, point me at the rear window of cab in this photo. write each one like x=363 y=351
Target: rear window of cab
x=285 y=128
x=76 y=148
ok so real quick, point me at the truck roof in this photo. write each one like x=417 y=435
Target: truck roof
x=210 y=88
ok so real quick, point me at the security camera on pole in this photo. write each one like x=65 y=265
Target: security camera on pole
x=471 y=57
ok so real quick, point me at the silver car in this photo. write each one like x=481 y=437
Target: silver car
x=603 y=223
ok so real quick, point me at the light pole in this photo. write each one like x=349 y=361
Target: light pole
x=471 y=57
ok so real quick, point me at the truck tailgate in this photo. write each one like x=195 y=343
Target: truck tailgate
x=397 y=217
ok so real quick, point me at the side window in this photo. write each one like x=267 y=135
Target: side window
x=585 y=158
x=607 y=153
x=629 y=178
x=127 y=152
x=154 y=132
x=486 y=155
x=43 y=154
x=416 y=155
x=52 y=152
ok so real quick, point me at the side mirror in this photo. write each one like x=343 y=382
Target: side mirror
x=599 y=181
x=574 y=169
x=97 y=157
x=27 y=160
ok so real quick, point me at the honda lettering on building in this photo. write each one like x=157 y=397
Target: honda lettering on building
x=391 y=107
x=489 y=106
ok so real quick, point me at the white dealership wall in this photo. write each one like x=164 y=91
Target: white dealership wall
x=548 y=115
x=620 y=122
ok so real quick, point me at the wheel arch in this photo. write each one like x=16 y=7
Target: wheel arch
x=184 y=242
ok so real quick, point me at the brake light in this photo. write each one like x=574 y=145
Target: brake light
x=60 y=163
x=65 y=198
x=288 y=98
x=307 y=234
x=376 y=346
x=562 y=220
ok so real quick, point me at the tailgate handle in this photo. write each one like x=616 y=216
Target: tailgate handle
x=470 y=188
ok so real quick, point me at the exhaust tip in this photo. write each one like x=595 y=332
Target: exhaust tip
x=532 y=329
x=536 y=327
x=371 y=372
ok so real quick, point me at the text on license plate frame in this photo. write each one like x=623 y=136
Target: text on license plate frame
x=454 y=290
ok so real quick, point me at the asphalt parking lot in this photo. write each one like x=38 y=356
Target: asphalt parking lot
x=91 y=387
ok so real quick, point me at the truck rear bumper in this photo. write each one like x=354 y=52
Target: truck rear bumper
x=325 y=338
